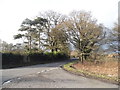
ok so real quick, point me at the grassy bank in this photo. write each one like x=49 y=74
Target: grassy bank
x=71 y=67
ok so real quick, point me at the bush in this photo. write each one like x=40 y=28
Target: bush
x=56 y=56
x=15 y=60
x=10 y=58
x=35 y=57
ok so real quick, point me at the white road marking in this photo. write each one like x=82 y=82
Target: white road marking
x=19 y=78
x=42 y=71
x=6 y=82
x=38 y=72
x=47 y=70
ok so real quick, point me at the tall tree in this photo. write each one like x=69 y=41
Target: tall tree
x=28 y=34
x=59 y=38
x=40 y=24
x=54 y=19
x=84 y=33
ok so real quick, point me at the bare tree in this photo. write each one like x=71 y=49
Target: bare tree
x=59 y=38
x=113 y=38
x=84 y=33
x=5 y=47
x=54 y=19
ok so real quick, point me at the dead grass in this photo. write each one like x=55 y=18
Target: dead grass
x=107 y=68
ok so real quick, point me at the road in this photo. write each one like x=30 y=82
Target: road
x=48 y=76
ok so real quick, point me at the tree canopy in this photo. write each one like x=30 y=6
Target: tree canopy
x=52 y=31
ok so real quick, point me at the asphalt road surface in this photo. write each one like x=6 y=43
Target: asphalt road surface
x=48 y=76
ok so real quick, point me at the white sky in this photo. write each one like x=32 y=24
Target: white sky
x=13 y=12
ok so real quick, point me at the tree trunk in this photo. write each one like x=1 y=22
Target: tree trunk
x=82 y=58
x=39 y=40
x=52 y=50
x=56 y=49
x=30 y=44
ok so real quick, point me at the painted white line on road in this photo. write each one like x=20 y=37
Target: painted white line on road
x=42 y=71
x=6 y=82
x=19 y=78
x=54 y=68
x=48 y=70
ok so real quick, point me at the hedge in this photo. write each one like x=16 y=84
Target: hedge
x=16 y=60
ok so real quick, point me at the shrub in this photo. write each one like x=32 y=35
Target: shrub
x=31 y=58
x=36 y=57
x=10 y=58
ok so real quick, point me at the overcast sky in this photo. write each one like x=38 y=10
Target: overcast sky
x=13 y=12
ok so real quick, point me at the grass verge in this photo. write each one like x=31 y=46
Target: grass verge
x=69 y=67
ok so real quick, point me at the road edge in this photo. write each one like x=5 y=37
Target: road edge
x=72 y=70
